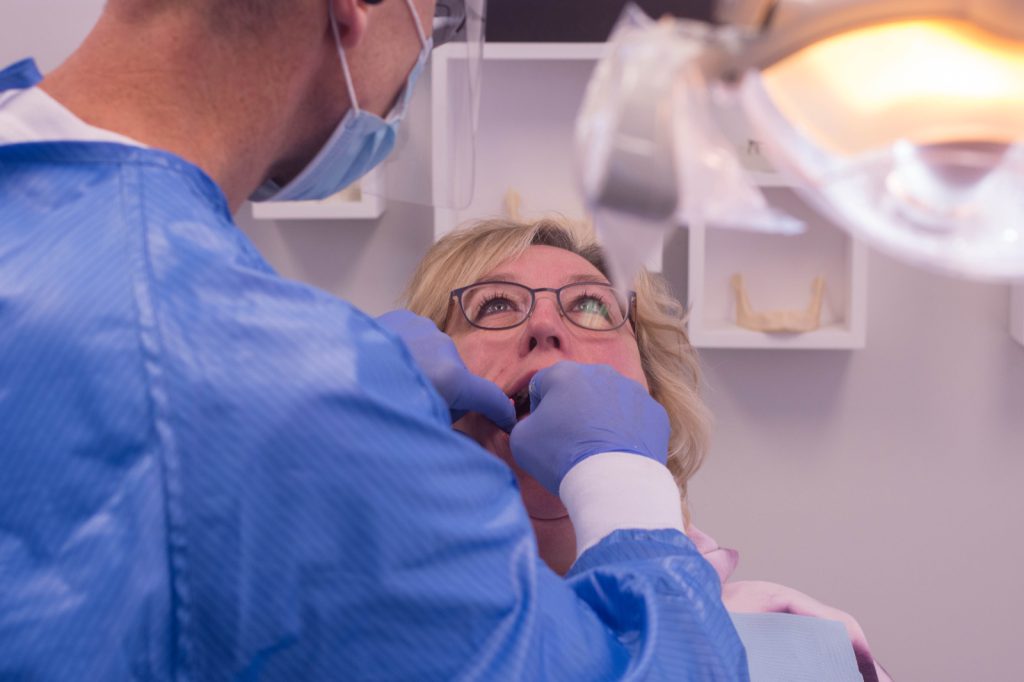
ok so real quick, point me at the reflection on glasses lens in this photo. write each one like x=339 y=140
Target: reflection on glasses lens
x=500 y=305
x=592 y=306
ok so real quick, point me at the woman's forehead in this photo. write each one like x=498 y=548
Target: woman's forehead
x=546 y=265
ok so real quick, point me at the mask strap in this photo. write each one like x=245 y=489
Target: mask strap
x=341 y=51
x=344 y=62
x=416 y=20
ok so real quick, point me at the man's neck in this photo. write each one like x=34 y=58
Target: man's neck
x=170 y=89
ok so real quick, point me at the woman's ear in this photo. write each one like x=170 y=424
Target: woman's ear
x=351 y=16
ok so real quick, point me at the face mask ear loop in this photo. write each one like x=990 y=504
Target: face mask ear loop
x=416 y=20
x=341 y=56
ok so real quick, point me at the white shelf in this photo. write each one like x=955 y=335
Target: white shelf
x=778 y=272
x=590 y=52
x=530 y=99
x=1017 y=313
x=834 y=336
x=352 y=203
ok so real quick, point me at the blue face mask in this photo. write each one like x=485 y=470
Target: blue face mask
x=360 y=142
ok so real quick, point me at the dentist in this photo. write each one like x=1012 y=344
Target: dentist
x=211 y=472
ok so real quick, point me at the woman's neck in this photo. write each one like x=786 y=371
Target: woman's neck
x=556 y=538
x=556 y=543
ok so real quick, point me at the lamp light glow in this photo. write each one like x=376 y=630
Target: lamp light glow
x=928 y=81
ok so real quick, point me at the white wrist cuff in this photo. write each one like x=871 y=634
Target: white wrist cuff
x=618 y=490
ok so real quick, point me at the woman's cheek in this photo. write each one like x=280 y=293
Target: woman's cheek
x=484 y=432
x=473 y=354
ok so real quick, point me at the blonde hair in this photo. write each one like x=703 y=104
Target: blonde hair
x=669 y=361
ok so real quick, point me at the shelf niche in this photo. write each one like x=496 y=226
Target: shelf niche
x=359 y=201
x=778 y=271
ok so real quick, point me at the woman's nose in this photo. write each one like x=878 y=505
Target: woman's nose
x=546 y=327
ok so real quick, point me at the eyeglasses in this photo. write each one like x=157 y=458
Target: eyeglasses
x=502 y=305
x=449 y=20
x=460 y=21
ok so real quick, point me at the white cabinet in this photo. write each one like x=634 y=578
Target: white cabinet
x=360 y=201
x=1017 y=313
x=531 y=95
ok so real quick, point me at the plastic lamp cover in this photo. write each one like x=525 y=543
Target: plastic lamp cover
x=909 y=135
x=650 y=157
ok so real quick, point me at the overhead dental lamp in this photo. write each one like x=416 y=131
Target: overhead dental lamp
x=902 y=121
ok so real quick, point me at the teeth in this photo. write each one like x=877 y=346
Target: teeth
x=522 y=402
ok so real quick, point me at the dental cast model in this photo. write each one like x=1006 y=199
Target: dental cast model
x=512 y=203
x=776 y=321
x=513 y=210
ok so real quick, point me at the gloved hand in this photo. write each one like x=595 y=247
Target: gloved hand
x=439 y=360
x=581 y=410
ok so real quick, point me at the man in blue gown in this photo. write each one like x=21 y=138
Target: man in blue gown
x=212 y=472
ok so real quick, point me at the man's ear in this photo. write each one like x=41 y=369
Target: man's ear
x=351 y=16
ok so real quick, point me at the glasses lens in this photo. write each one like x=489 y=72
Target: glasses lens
x=496 y=305
x=594 y=306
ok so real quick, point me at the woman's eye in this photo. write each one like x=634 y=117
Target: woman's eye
x=591 y=305
x=496 y=305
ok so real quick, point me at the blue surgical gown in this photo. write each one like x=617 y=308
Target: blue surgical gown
x=211 y=472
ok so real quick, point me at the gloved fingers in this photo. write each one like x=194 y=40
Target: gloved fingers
x=480 y=395
x=438 y=358
x=401 y=319
x=580 y=410
x=571 y=375
x=617 y=408
x=524 y=442
x=550 y=377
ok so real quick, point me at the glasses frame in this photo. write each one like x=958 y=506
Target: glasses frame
x=629 y=315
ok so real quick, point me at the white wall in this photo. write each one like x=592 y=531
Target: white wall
x=44 y=29
x=884 y=481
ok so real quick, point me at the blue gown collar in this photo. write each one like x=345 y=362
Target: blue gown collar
x=20 y=75
x=88 y=152
x=25 y=74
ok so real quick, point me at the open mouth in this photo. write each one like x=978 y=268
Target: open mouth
x=521 y=399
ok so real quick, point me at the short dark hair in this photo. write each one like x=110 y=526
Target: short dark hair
x=222 y=16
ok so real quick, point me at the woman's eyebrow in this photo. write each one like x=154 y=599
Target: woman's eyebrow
x=599 y=279
x=571 y=279
x=500 y=277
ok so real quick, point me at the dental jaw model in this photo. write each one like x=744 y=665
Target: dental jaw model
x=778 y=321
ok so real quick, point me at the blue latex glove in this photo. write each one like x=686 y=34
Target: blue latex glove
x=581 y=410
x=439 y=360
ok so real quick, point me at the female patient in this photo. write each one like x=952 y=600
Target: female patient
x=517 y=298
